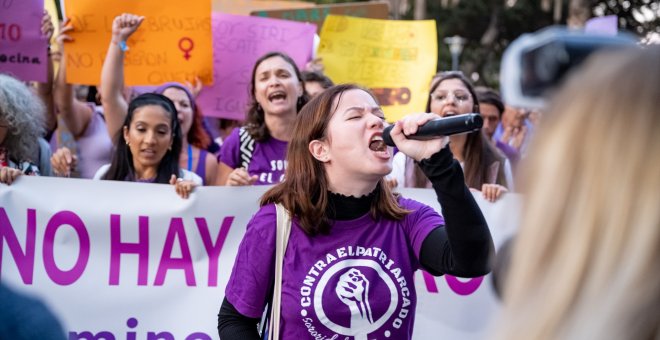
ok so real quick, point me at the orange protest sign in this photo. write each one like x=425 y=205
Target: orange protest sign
x=174 y=42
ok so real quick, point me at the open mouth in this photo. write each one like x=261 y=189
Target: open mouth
x=277 y=96
x=377 y=144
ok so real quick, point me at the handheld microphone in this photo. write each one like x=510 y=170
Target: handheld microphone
x=441 y=127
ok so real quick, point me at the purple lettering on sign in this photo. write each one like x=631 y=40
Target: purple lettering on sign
x=117 y=248
x=65 y=277
x=134 y=335
x=429 y=281
x=24 y=259
x=167 y=262
x=198 y=336
x=213 y=250
x=105 y=335
x=160 y=336
x=463 y=288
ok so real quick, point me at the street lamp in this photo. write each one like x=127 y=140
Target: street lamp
x=455 y=48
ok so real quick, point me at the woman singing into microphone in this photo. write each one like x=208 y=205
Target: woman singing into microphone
x=354 y=245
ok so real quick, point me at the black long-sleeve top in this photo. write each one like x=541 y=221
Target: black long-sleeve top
x=462 y=248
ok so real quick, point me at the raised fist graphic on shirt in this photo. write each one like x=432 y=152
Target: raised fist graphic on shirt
x=353 y=290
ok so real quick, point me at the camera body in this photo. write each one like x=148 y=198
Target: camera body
x=535 y=64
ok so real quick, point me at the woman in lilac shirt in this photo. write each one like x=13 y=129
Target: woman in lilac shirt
x=354 y=245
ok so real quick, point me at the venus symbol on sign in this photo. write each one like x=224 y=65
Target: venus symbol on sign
x=186 y=45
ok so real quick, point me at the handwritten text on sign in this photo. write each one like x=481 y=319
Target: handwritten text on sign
x=172 y=44
x=238 y=41
x=394 y=58
x=22 y=46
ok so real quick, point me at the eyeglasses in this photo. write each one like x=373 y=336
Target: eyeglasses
x=459 y=98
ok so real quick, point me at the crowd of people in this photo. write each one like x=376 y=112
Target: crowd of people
x=589 y=235
x=253 y=151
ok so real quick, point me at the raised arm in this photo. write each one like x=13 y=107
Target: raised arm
x=45 y=90
x=112 y=74
x=463 y=247
x=75 y=114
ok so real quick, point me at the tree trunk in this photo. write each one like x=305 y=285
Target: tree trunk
x=420 y=10
x=492 y=32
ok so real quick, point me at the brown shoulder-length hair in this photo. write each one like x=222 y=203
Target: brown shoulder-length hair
x=255 y=123
x=304 y=191
x=478 y=153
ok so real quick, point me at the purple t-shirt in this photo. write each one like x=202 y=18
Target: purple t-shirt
x=94 y=146
x=268 y=158
x=353 y=283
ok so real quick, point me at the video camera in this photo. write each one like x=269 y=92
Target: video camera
x=535 y=64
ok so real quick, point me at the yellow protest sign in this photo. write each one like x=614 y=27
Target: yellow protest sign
x=174 y=42
x=395 y=59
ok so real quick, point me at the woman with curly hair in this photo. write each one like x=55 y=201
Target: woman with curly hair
x=22 y=116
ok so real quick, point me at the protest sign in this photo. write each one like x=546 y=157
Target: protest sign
x=238 y=41
x=244 y=7
x=120 y=260
x=172 y=44
x=606 y=25
x=317 y=14
x=394 y=58
x=23 y=49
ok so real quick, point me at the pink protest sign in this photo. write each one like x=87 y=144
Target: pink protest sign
x=23 y=50
x=238 y=41
x=607 y=25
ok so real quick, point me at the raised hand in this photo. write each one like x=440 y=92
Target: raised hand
x=416 y=149
x=353 y=290
x=124 y=25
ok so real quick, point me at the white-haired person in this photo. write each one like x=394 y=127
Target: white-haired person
x=23 y=151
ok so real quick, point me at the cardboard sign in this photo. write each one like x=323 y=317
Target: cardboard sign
x=172 y=44
x=606 y=25
x=373 y=10
x=394 y=58
x=238 y=41
x=23 y=49
x=244 y=7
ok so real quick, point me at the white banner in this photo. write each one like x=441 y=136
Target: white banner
x=118 y=260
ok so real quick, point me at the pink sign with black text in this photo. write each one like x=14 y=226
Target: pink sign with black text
x=238 y=41
x=23 y=49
